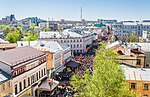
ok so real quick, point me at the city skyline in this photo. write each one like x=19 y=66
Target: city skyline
x=71 y=9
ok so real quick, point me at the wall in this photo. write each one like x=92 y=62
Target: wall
x=139 y=88
x=25 y=75
x=7 y=90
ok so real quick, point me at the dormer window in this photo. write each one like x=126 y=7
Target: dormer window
x=14 y=74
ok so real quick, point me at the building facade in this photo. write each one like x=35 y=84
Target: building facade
x=138 y=80
x=5 y=84
x=79 y=41
x=26 y=66
x=126 y=27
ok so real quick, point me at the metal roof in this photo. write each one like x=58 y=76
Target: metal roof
x=137 y=74
x=4 y=76
x=19 y=55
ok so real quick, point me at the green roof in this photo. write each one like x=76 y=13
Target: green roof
x=100 y=25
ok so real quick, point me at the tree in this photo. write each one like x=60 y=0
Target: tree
x=107 y=80
x=32 y=25
x=132 y=37
x=5 y=29
x=13 y=36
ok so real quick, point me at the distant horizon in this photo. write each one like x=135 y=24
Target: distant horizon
x=73 y=19
x=121 y=10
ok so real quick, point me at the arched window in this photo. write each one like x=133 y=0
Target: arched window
x=120 y=52
x=14 y=74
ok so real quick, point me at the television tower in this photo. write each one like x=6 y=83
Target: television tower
x=81 y=13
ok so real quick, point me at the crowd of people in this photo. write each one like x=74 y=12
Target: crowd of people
x=65 y=89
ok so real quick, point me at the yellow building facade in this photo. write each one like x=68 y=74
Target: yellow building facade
x=5 y=88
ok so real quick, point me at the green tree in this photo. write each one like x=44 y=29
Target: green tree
x=6 y=29
x=13 y=36
x=132 y=37
x=32 y=26
x=107 y=80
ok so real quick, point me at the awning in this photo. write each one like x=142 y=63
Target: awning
x=72 y=64
x=45 y=85
x=60 y=69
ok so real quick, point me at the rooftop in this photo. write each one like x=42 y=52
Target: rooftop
x=4 y=76
x=48 y=46
x=19 y=55
x=8 y=45
x=137 y=74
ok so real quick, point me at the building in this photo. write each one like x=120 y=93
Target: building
x=104 y=21
x=146 y=36
x=138 y=80
x=2 y=41
x=5 y=84
x=27 y=68
x=126 y=27
x=79 y=41
x=133 y=57
x=58 y=54
x=7 y=46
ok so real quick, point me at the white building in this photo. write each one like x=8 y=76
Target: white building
x=123 y=28
x=61 y=53
x=77 y=40
x=146 y=36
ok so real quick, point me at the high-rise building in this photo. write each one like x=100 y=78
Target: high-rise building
x=12 y=17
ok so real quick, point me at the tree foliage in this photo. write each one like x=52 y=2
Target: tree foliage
x=131 y=37
x=107 y=80
x=30 y=35
x=13 y=36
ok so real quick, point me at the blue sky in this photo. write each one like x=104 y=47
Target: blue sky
x=70 y=9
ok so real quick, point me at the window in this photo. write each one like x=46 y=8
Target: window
x=4 y=87
x=70 y=40
x=21 y=44
x=74 y=40
x=145 y=86
x=77 y=40
x=74 y=45
x=16 y=91
x=80 y=45
x=71 y=46
x=80 y=40
x=37 y=76
x=23 y=70
x=44 y=71
x=61 y=41
x=77 y=45
x=19 y=72
x=32 y=79
x=20 y=86
x=15 y=73
x=24 y=83
x=138 y=61
x=28 y=81
x=133 y=86
x=145 y=95
x=9 y=85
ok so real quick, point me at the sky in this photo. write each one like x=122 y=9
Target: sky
x=71 y=9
